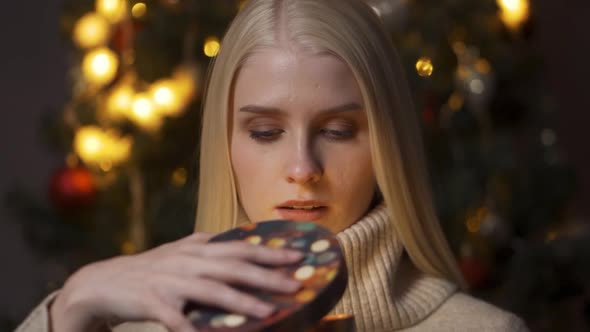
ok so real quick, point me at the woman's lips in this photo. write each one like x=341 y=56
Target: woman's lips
x=302 y=215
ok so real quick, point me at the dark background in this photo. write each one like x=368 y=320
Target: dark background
x=33 y=69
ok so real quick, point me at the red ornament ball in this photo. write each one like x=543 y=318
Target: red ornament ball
x=72 y=188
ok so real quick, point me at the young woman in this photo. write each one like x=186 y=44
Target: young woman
x=307 y=116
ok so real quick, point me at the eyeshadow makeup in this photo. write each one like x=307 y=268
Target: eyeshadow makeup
x=322 y=272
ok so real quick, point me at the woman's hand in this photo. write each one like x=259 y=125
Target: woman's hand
x=156 y=284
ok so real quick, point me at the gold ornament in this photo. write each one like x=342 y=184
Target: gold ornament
x=139 y=10
x=424 y=67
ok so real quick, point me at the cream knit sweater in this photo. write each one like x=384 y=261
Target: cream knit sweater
x=385 y=292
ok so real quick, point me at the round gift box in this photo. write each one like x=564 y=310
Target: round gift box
x=322 y=273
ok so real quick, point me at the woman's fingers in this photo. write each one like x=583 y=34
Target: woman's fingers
x=172 y=318
x=217 y=294
x=234 y=271
x=251 y=252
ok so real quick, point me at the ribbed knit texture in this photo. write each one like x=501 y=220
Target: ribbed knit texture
x=385 y=292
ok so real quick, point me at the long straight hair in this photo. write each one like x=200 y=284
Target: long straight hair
x=351 y=31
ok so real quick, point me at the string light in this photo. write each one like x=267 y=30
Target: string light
x=184 y=78
x=179 y=177
x=513 y=12
x=483 y=66
x=114 y=10
x=424 y=67
x=455 y=102
x=476 y=86
x=212 y=46
x=91 y=30
x=120 y=101
x=474 y=221
x=95 y=146
x=100 y=66
x=89 y=144
x=166 y=97
x=143 y=112
x=139 y=10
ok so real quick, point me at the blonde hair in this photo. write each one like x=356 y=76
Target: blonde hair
x=350 y=30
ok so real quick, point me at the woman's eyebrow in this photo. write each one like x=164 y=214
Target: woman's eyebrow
x=349 y=107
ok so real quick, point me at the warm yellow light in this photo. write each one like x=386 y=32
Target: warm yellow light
x=179 y=177
x=475 y=220
x=98 y=147
x=118 y=150
x=100 y=66
x=106 y=166
x=168 y=97
x=120 y=101
x=483 y=66
x=455 y=102
x=473 y=225
x=142 y=106
x=185 y=81
x=164 y=96
x=139 y=10
x=91 y=30
x=114 y=10
x=128 y=248
x=459 y=48
x=143 y=112
x=211 y=47
x=513 y=12
x=89 y=144
x=424 y=67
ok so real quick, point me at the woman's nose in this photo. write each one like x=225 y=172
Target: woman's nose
x=304 y=168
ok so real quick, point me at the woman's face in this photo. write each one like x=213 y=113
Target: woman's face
x=300 y=140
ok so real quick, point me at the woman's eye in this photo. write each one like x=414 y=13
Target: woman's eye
x=336 y=135
x=266 y=136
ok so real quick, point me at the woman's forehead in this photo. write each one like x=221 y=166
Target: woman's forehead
x=279 y=59
x=289 y=74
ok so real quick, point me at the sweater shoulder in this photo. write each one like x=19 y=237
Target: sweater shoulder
x=462 y=312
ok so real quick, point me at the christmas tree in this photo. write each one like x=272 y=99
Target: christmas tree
x=129 y=136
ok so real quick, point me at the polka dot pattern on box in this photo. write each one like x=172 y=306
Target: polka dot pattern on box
x=322 y=272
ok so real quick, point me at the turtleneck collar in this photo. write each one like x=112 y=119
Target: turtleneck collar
x=385 y=291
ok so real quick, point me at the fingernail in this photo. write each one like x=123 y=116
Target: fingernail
x=264 y=310
x=293 y=285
